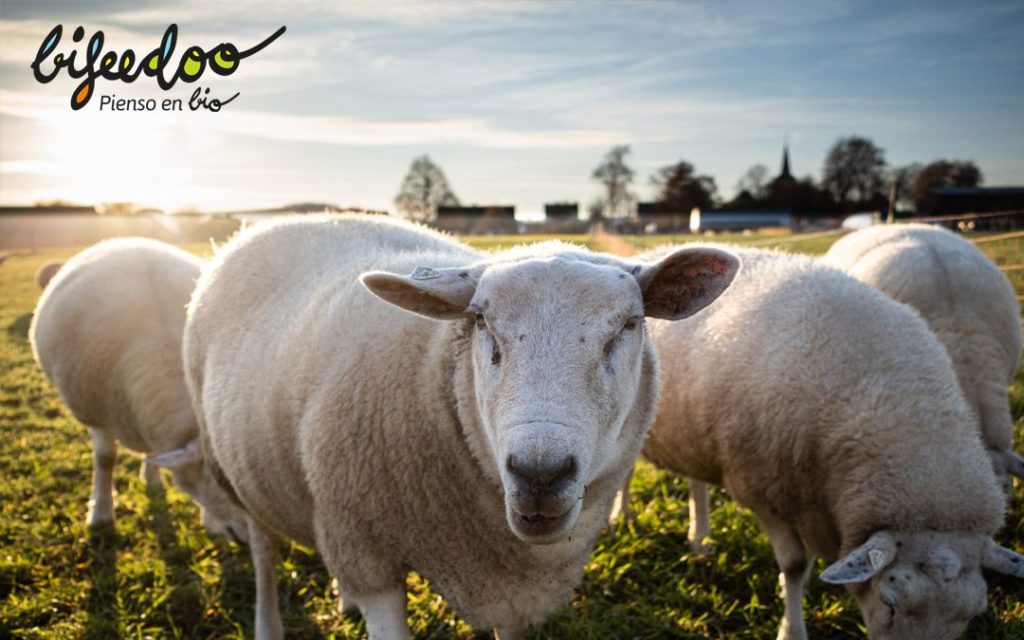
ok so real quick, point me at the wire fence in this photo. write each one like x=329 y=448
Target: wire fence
x=1007 y=251
x=1007 y=220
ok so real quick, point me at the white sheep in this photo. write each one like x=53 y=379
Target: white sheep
x=481 y=450
x=107 y=332
x=967 y=302
x=833 y=413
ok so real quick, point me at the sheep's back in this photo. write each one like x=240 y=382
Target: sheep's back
x=964 y=298
x=107 y=332
x=287 y=352
x=806 y=392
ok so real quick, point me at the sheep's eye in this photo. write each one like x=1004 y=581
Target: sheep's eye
x=495 y=351
x=628 y=325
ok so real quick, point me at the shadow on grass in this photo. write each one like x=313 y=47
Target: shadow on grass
x=238 y=594
x=19 y=328
x=101 y=603
x=184 y=605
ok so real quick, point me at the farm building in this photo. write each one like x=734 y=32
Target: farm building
x=61 y=210
x=956 y=200
x=561 y=211
x=735 y=220
x=655 y=218
x=474 y=219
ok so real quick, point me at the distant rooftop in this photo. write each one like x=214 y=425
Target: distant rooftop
x=979 y=191
x=477 y=211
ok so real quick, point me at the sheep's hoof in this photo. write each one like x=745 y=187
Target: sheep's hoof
x=97 y=518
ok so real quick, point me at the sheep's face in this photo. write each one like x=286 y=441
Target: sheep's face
x=929 y=590
x=221 y=516
x=563 y=375
x=559 y=359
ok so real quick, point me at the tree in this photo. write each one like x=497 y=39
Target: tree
x=903 y=179
x=424 y=189
x=943 y=173
x=754 y=182
x=680 y=190
x=615 y=177
x=854 y=173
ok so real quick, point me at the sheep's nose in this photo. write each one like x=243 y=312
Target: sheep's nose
x=542 y=475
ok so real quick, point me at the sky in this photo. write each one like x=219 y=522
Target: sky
x=516 y=101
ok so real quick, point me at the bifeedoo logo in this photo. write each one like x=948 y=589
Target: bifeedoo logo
x=223 y=60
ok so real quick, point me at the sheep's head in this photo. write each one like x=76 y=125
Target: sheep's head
x=923 y=585
x=221 y=515
x=564 y=376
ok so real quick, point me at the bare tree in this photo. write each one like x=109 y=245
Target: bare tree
x=424 y=189
x=854 y=173
x=902 y=179
x=615 y=176
x=943 y=173
x=754 y=182
x=680 y=189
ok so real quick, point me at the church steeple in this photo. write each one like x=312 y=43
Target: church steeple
x=785 y=162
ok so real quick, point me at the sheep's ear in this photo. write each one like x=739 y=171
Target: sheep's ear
x=864 y=561
x=1003 y=560
x=442 y=294
x=686 y=281
x=177 y=458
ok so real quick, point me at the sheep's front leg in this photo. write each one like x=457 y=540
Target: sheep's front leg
x=384 y=613
x=795 y=565
x=700 y=516
x=104 y=454
x=264 y=559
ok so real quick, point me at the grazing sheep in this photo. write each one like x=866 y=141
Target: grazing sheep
x=832 y=412
x=46 y=273
x=967 y=302
x=107 y=332
x=482 y=451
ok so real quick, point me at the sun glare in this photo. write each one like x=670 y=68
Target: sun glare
x=142 y=163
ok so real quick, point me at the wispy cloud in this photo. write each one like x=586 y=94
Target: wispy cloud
x=338 y=130
x=517 y=99
x=425 y=131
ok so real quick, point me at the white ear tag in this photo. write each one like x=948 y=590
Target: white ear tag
x=424 y=273
x=877 y=558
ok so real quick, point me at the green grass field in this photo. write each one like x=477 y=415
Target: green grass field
x=157 y=575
